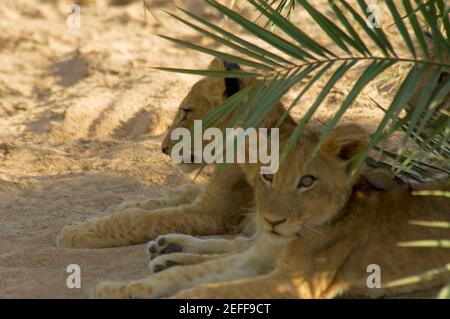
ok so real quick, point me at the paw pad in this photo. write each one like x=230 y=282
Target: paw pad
x=161 y=246
x=161 y=267
x=161 y=241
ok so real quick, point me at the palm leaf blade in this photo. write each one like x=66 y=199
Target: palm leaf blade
x=237 y=39
x=260 y=32
x=401 y=26
x=218 y=54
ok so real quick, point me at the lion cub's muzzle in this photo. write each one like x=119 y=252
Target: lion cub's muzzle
x=270 y=225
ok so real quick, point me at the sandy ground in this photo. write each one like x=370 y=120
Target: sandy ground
x=82 y=116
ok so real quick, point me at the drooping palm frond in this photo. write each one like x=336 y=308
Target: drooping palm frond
x=296 y=55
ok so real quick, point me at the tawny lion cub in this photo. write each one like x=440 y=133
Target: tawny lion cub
x=321 y=229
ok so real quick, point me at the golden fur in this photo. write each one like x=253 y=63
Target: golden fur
x=324 y=237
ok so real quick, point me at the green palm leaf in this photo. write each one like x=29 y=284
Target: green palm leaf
x=295 y=54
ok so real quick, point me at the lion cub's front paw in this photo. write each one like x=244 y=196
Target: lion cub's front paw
x=164 y=262
x=166 y=244
x=75 y=236
x=83 y=235
x=174 y=249
x=121 y=290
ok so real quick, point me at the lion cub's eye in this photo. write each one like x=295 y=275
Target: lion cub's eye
x=306 y=181
x=267 y=177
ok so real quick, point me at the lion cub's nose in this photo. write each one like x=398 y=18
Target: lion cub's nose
x=165 y=149
x=275 y=223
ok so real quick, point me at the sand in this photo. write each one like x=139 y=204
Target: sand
x=82 y=116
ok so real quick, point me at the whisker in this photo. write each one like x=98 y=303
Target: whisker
x=317 y=229
x=310 y=231
x=320 y=234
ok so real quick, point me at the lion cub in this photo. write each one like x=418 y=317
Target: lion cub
x=321 y=229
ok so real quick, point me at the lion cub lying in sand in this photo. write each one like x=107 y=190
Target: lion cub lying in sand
x=321 y=229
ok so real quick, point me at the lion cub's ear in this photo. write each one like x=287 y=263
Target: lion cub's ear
x=216 y=65
x=346 y=141
x=222 y=65
x=232 y=85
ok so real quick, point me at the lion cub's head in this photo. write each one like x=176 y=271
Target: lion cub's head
x=299 y=196
x=203 y=97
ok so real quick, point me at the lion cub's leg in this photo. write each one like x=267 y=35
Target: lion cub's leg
x=135 y=226
x=178 y=249
x=260 y=258
x=164 y=262
x=184 y=194
x=270 y=286
x=277 y=284
x=283 y=282
x=299 y=273
x=211 y=213
x=171 y=243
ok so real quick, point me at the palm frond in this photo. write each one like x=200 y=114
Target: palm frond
x=295 y=54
